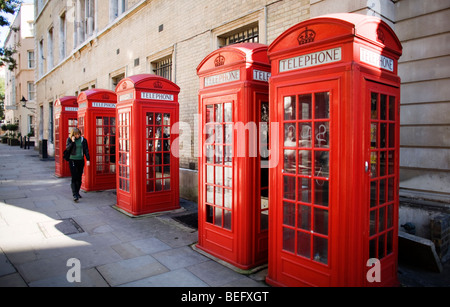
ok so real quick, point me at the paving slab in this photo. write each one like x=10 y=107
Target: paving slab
x=178 y=258
x=176 y=278
x=125 y=271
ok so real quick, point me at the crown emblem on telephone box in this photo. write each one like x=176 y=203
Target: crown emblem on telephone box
x=158 y=84
x=306 y=36
x=219 y=61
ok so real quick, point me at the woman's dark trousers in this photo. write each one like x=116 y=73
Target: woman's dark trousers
x=76 y=169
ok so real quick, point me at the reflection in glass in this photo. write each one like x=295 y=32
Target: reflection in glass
x=227 y=219
x=289 y=161
x=210 y=174
x=289 y=214
x=321 y=162
x=373 y=248
x=289 y=187
x=373 y=193
x=383 y=162
x=374 y=164
x=289 y=108
x=219 y=196
x=304 y=244
x=305 y=107
x=389 y=242
x=218 y=217
x=166 y=184
x=228 y=198
x=209 y=152
x=228 y=134
x=219 y=175
x=383 y=140
x=374 y=105
x=158 y=185
x=391 y=135
x=166 y=119
x=304 y=162
x=219 y=113
x=321 y=135
x=381 y=220
x=321 y=221
x=381 y=248
x=289 y=240
x=372 y=223
x=320 y=249
x=150 y=117
x=228 y=177
x=382 y=196
x=209 y=213
x=383 y=108
x=322 y=103
x=304 y=217
x=209 y=113
x=304 y=133
x=391 y=108
x=391 y=162
x=321 y=192
x=289 y=135
x=304 y=190
x=210 y=194
x=228 y=112
x=391 y=188
x=158 y=118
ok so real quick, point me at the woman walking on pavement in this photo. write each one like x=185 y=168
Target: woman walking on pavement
x=77 y=146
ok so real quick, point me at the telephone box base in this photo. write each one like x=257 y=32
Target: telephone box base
x=250 y=269
x=238 y=267
x=147 y=214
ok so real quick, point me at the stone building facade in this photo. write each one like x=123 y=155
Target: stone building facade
x=20 y=81
x=82 y=44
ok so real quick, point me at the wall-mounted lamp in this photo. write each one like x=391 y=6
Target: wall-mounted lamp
x=24 y=103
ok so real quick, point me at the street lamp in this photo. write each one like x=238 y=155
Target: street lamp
x=24 y=102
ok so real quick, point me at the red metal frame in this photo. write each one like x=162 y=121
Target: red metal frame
x=232 y=212
x=65 y=109
x=97 y=122
x=147 y=158
x=323 y=228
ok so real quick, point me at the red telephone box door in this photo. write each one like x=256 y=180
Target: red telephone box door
x=219 y=179
x=305 y=205
x=382 y=141
x=158 y=139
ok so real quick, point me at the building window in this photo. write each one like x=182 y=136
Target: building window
x=163 y=67
x=31 y=59
x=31 y=91
x=247 y=34
x=30 y=125
x=41 y=58
x=50 y=50
x=117 y=8
x=62 y=36
x=85 y=21
x=116 y=79
x=50 y=122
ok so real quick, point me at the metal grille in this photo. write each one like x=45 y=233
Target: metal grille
x=249 y=35
x=163 y=68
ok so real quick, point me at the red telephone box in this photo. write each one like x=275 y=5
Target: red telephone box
x=65 y=119
x=97 y=122
x=334 y=194
x=148 y=177
x=233 y=173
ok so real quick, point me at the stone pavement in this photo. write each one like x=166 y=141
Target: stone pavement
x=42 y=230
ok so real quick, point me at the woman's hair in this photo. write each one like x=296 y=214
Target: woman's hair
x=74 y=131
